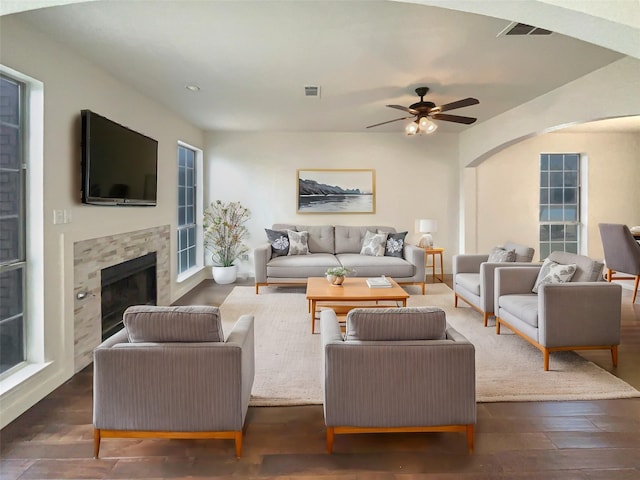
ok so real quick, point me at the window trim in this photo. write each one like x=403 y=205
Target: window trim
x=33 y=155
x=580 y=204
x=199 y=195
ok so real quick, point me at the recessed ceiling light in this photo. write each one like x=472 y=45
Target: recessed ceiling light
x=192 y=87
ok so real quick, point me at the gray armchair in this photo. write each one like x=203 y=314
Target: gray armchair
x=170 y=374
x=397 y=370
x=621 y=254
x=583 y=314
x=473 y=277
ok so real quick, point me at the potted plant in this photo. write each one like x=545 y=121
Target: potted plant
x=335 y=275
x=224 y=232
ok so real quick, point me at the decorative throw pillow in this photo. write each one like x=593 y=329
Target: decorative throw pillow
x=373 y=244
x=279 y=241
x=553 y=272
x=501 y=255
x=298 y=243
x=395 y=244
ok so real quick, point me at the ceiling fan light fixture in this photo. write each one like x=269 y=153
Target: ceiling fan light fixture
x=429 y=128
x=412 y=128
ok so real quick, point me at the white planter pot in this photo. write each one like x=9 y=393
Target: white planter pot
x=225 y=275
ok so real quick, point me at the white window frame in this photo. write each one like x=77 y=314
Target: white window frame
x=33 y=145
x=180 y=277
x=580 y=202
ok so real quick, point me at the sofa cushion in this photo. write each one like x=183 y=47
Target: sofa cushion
x=553 y=272
x=301 y=266
x=157 y=324
x=394 y=247
x=367 y=266
x=523 y=253
x=469 y=281
x=396 y=324
x=501 y=255
x=321 y=237
x=373 y=244
x=587 y=270
x=349 y=239
x=524 y=307
x=279 y=240
x=298 y=243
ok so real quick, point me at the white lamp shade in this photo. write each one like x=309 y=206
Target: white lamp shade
x=427 y=226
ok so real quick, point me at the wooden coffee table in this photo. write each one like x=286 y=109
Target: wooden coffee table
x=355 y=291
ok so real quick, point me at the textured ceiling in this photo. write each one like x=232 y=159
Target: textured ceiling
x=252 y=59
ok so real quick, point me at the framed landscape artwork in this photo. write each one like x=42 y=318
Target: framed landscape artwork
x=336 y=191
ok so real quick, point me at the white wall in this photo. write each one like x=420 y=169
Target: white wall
x=416 y=177
x=71 y=84
x=508 y=183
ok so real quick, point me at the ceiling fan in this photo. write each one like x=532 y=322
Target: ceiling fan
x=425 y=111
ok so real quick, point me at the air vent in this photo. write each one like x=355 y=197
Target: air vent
x=311 y=91
x=523 y=29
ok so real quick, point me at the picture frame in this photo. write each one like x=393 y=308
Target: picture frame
x=336 y=191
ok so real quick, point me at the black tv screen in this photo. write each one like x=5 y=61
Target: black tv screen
x=119 y=165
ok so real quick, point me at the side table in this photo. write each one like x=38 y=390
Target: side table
x=432 y=252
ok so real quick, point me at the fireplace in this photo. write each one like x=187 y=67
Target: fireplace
x=128 y=283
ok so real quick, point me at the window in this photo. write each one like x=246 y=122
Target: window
x=559 y=203
x=13 y=264
x=189 y=209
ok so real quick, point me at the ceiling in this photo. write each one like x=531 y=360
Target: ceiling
x=252 y=59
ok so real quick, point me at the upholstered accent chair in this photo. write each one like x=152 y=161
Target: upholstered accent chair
x=621 y=254
x=473 y=276
x=583 y=313
x=397 y=370
x=171 y=374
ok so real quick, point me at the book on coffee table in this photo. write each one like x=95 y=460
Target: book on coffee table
x=378 y=282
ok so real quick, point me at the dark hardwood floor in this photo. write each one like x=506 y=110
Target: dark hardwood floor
x=516 y=440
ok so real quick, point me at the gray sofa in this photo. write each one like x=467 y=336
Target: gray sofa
x=582 y=314
x=335 y=246
x=473 y=277
x=397 y=370
x=171 y=374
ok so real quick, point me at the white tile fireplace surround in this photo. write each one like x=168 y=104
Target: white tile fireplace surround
x=89 y=258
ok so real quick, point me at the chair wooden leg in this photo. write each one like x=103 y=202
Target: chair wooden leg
x=614 y=355
x=455 y=300
x=609 y=274
x=545 y=354
x=497 y=326
x=470 y=438
x=486 y=318
x=329 y=439
x=96 y=442
x=635 y=289
x=238 y=440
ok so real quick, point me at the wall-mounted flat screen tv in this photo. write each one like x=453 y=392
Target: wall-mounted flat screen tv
x=119 y=165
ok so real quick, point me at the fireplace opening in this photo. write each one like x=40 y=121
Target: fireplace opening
x=129 y=283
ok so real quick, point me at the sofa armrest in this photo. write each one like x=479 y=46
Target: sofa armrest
x=579 y=313
x=329 y=327
x=416 y=257
x=487 y=280
x=514 y=280
x=242 y=335
x=261 y=255
x=468 y=263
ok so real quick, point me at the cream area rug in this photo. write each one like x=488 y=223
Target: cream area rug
x=288 y=356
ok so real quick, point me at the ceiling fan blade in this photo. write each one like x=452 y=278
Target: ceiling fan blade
x=404 y=109
x=389 y=121
x=465 y=102
x=454 y=118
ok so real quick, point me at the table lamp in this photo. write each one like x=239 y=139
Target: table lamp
x=427 y=227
